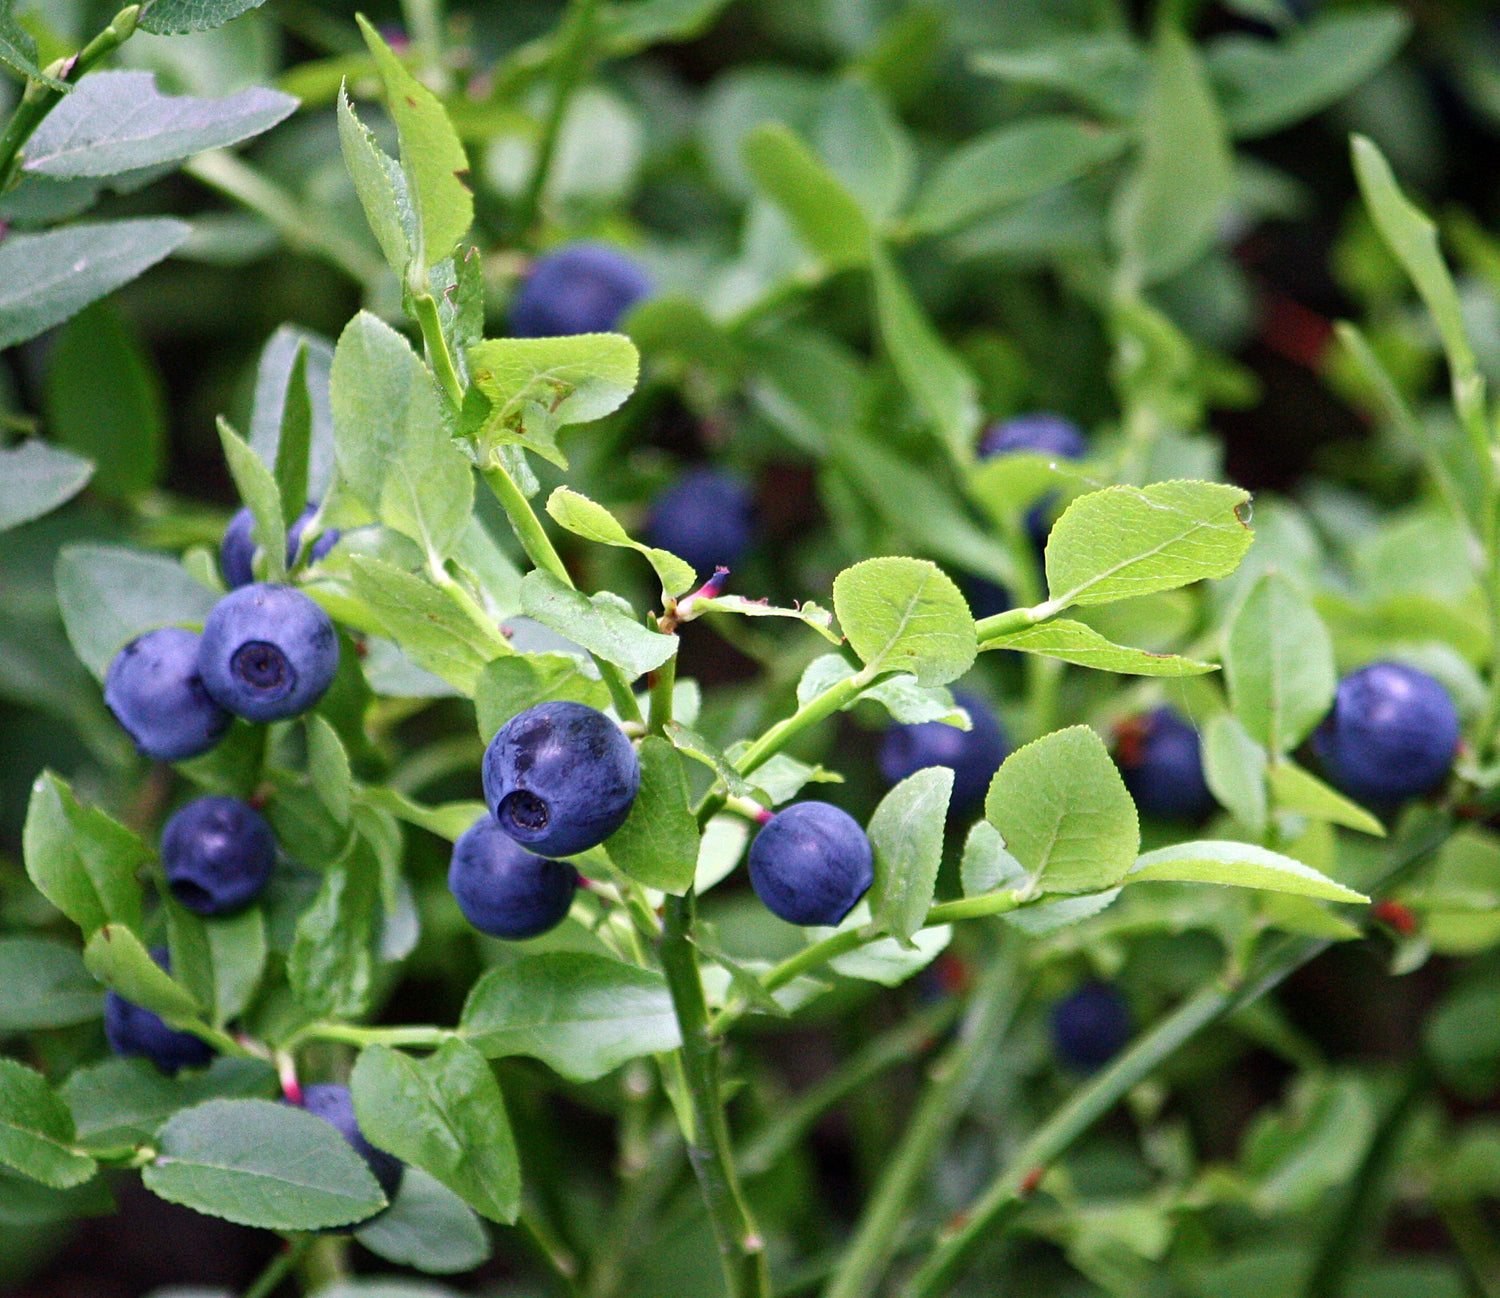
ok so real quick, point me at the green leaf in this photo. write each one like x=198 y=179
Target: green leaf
x=1267 y=85
x=1234 y=766
x=445 y=1115
x=116 y=121
x=169 y=17
x=808 y=613
x=658 y=843
x=578 y=514
x=447 y=821
x=432 y=158
x=109 y=595
x=292 y=462
x=276 y=403
x=1278 y=664
x=124 y=1101
x=36 y=478
x=534 y=386
x=331 y=967
x=381 y=186
x=262 y=1164
x=581 y=1013
x=18 y=49
x=1126 y=541
x=36 y=1130
x=1106 y=71
x=987 y=865
x=46 y=278
x=888 y=962
x=906 y=615
x=429 y=1228
x=1011 y=163
x=1074 y=642
x=826 y=216
x=866 y=147
x=1063 y=811
x=597 y=624
x=257 y=487
x=944 y=390
x=390 y=431
x=1297 y=790
x=119 y=959
x=1240 y=865
x=906 y=833
x=237 y=951
x=508 y=686
x=83 y=862
x=1169 y=214
x=43 y=984
x=900 y=695
x=328 y=767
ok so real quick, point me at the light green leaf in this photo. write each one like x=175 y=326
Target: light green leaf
x=381 y=186
x=888 y=962
x=36 y=478
x=901 y=696
x=428 y=1228
x=1063 y=811
x=658 y=843
x=82 y=861
x=987 y=865
x=906 y=615
x=43 y=984
x=810 y=614
x=596 y=624
x=331 y=966
x=18 y=50
x=1106 y=71
x=275 y=402
x=262 y=1164
x=36 y=1130
x=906 y=833
x=1074 y=642
x=1240 y=865
x=257 y=487
x=1278 y=664
x=446 y=821
x=581 y=516
x=1297 y=790
x=445 y=1115
x=508 y=686
x=118 y=959
x=432 y=158
x=1126 y=541
x=237 y=952
x=583 y=1014
x=826 y=216
x=865 y=146
x=328 y=767
x=170 y=17
x=291 y=465
x=1234 y=766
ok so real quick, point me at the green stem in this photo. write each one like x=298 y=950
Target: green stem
x=428 y=320
x=991 y=629
x=836 y=696
x=569 y=63
x=358 y=1036
x=663 y=681
x=954 y=1080
x=39 y=99
x=1342 y=1244
x=1476 y=1246
x=741 y=1250
x=279 y=1267
x=554 y=1254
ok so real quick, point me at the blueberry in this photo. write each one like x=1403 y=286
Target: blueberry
x=706 y=517
x=134 y=1030
x=334 y=1104
x=504 y=890
x=1391 y=734
x=217 y=854
x=238 y=546
x=154 y=690
x=1090 y=1026
x=1160 y=759
x=1045 y=434
x=584 y=288
x=986 y=598
x=810 y=863
x=560 y=778
x=268 y=652
x=974 y=755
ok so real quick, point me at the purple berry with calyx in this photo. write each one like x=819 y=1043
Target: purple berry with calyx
x=1041 y=433
x=268 y=652
x=503 y=889
x=335 y=1105
x=560 y=778
x=706 y=517
x=237 y=549
x=1391 y=734
x=154 y=688
x=973 y=755
x=1090 y=1026
x=132 y=1029
x=811 y=863
x=1161 y=761
x=217 y=854
x=584 y=288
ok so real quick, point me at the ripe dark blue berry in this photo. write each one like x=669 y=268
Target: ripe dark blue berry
x=581 y=289
x=503 y=889
x=155 y=691
x=810 y=863
x=217 y=854
x=268 y=652
x=238 y=546
x=560 y=778
x=1045 y=434
x=1391 y=734
x=706 y=517
x=974 y=755
x=134 y=1030
x=1161 y=762
x=334 y=1104
x=1090 y=1026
